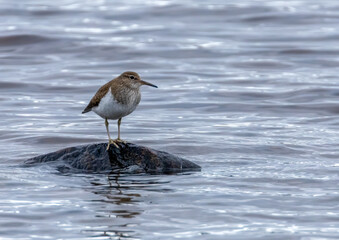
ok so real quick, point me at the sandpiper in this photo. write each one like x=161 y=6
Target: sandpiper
x=116 y=99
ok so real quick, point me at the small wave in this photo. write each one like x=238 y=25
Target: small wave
x=15 y=85
x=22 y=39
x=263 y=64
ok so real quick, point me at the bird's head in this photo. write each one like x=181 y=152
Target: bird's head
x=133 y=79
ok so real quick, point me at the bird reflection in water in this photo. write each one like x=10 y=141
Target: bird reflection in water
x=120 y=209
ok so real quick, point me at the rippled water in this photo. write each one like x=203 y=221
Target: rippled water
x=247 y=89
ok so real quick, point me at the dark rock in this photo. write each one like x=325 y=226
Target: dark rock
x=128 y=157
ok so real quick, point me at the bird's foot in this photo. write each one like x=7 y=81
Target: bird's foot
x=110 y=141
x=120 y=141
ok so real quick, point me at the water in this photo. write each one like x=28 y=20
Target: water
x=247 y=89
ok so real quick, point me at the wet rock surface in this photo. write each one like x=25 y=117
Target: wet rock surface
x=128 y=157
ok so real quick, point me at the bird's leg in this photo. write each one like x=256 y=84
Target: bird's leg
x=119 y=122
x=118 y=139
x=110 y=141
x=106 y=124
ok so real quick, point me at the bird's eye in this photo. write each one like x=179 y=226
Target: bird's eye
x=132 y=77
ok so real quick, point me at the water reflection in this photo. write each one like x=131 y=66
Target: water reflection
x=121 y=197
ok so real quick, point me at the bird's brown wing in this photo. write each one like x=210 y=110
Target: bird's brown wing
x=97 y=97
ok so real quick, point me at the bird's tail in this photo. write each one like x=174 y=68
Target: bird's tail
x=86 y=110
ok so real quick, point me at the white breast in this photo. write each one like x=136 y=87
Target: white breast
x=111 y=109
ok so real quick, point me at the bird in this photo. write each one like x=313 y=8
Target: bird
x=117 y=99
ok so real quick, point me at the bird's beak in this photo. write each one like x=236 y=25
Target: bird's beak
x=147 y=83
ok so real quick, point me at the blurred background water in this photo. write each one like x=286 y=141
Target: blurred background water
x=247 y=89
